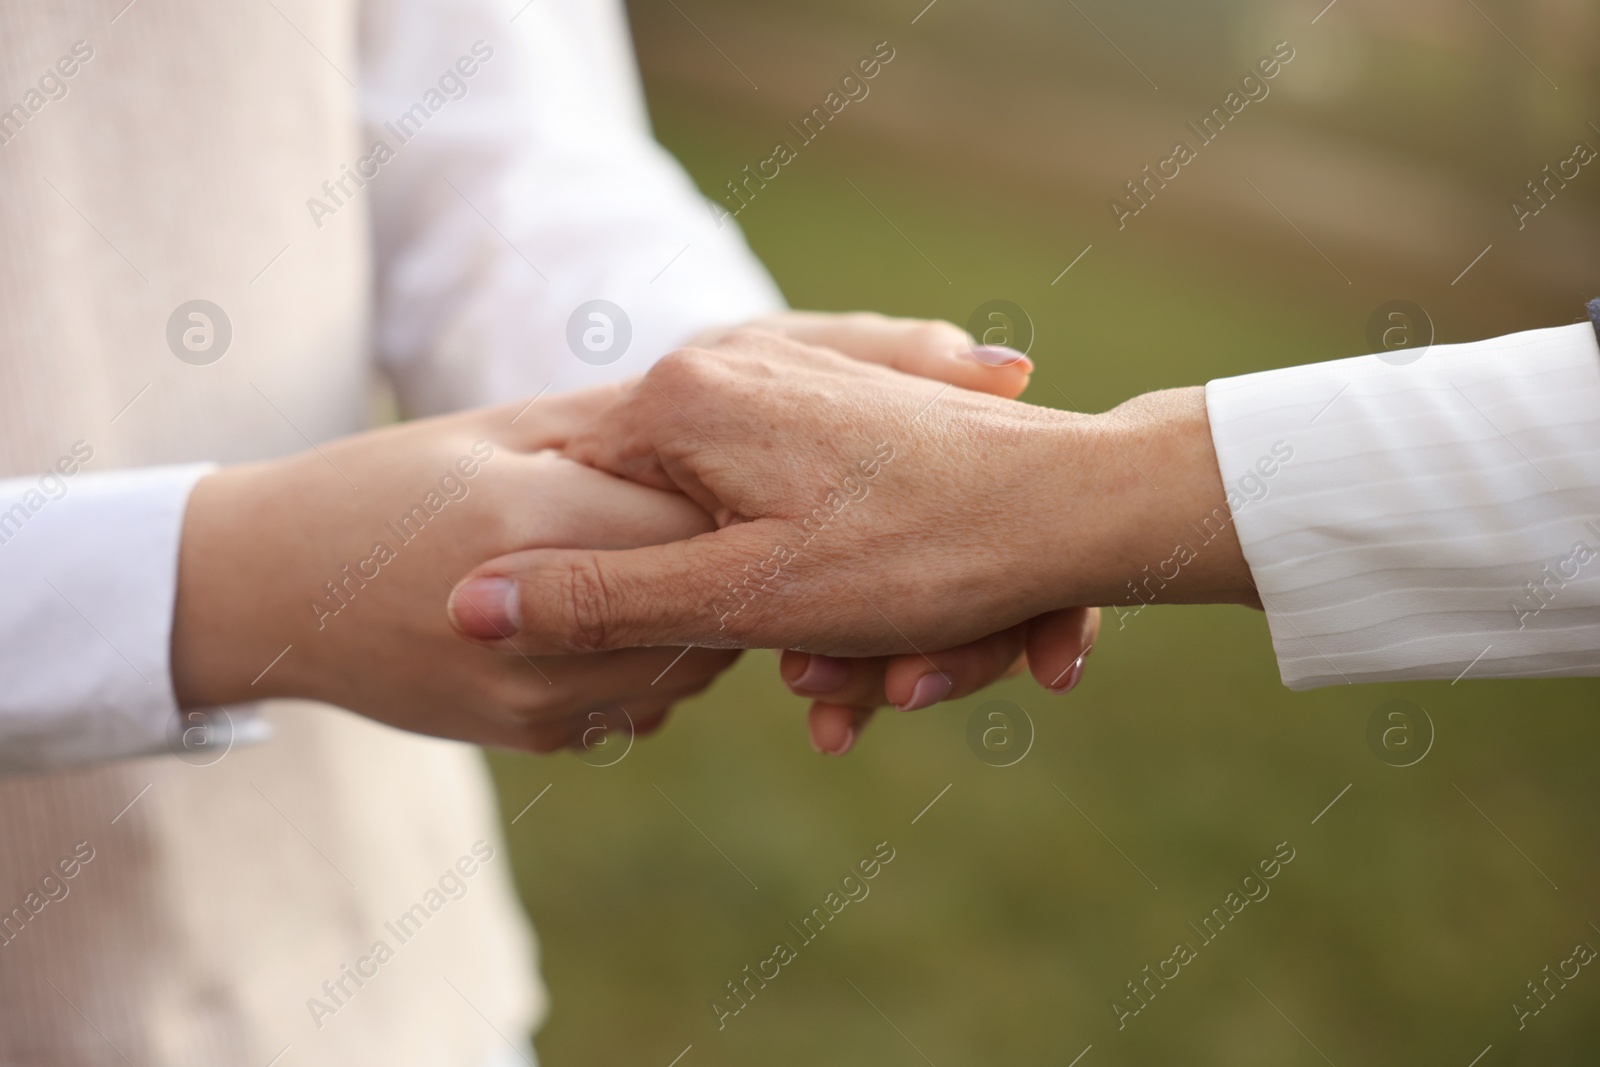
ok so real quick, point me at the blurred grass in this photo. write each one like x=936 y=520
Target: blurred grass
x=1400 y=934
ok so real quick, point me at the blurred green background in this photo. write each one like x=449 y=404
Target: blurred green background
x=1382 y=163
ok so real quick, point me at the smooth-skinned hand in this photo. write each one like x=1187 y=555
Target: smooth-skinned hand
x=343 y=555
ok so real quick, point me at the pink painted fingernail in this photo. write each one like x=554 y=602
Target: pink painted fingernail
x=929 y=690
x=1000 y=356
x=823 y=674
x=487 y=608
x=1071 y=678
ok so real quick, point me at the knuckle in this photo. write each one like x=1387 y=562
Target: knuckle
x=588 y=605
x=754 y=334
x=936 y=336
x=688 y=367
x=873 y=325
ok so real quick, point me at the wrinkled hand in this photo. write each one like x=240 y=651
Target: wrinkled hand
x=861 y=512
x=846 y=692
x=296 y=541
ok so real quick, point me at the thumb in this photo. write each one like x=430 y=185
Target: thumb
x=567 y=601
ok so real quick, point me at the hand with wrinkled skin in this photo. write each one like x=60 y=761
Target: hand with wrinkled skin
x=261 y=542
x=862 y=512
x=846 y=692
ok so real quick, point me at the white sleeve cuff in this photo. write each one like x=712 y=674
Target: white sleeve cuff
x=1434 y=519
x=88 y=565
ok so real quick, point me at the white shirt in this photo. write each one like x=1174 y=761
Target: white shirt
x=1432 y=519
x=550 y=140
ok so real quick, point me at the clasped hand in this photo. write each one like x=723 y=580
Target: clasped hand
x=763 y=490
x=855 y=508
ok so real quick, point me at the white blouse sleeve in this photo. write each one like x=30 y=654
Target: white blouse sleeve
x=88 y=567
x=1432 y=519
x=524 y=184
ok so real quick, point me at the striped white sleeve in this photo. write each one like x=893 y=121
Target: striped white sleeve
x=1432 y=519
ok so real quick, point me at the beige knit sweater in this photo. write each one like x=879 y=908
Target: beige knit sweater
x=211 y=912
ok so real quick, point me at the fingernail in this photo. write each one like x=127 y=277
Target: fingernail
x=1074 y=673
x=843 y=746
x=1000 y=356
x=791 y=667
x=823 y=674
x=487 y=608
x=929 y=690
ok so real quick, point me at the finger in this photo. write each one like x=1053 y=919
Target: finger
x=928 y=348
x=865 y=682
x=673 y=689
x=835 y=680
x=590 y=725
x=1058 y=644
x=582 y=731
x=835 y=727
x=544 y=738
x=618 y=724
x=914 y=682
x=550 y=421
x=649 y=724
x=579 y=601
x=606 y=689
x=602 y=511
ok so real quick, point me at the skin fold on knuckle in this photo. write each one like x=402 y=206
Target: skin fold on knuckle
x=684 y=371
x=586 y=606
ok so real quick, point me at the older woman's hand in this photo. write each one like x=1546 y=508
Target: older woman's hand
x=863 y=512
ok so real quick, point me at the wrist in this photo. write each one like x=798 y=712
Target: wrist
x=1144 y=518
x=226 y=615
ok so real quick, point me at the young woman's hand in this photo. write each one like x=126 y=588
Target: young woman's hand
x=341 y=560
